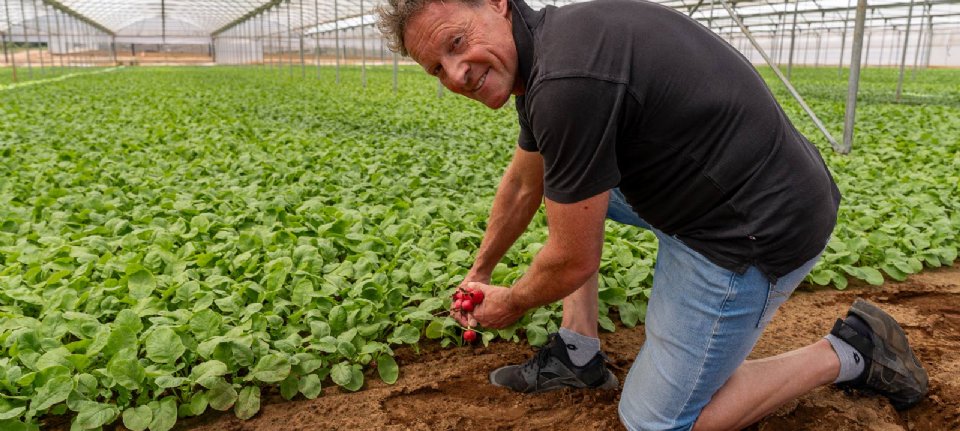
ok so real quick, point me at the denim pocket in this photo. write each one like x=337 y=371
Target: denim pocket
x=776 y=296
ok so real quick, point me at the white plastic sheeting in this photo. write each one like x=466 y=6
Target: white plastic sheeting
x=196 y=21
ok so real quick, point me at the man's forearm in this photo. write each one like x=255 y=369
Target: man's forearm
x=513 y=207
x=553 y=275
x=569 y=258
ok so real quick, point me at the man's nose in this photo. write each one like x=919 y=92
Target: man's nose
x=456 y=75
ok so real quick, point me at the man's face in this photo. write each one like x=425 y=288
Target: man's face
x=470 y=49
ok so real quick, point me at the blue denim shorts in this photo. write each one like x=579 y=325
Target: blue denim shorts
x=702 y=322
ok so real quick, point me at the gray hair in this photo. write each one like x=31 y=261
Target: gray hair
x=394 y=16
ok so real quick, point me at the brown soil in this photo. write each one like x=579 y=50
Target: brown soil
x=446 y=389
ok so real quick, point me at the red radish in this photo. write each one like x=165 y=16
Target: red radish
x=466 y=305
x=469 y=336
x=458 y=304
x=477 y=296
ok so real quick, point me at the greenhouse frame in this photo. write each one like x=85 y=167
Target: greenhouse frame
x=577 y=215
x=76 y=33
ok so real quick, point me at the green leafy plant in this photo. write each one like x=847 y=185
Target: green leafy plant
x=177 y=240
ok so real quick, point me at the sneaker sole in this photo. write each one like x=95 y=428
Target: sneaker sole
x=610 y=383
x=886 y=328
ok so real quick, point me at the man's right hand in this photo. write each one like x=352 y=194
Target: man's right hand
x=466 y=319
x=473 y=276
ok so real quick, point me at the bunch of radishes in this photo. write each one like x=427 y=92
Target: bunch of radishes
x=464 y=301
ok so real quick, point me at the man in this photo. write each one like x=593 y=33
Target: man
x=634 y=112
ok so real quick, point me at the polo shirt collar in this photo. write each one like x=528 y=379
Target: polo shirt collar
x=525 y=21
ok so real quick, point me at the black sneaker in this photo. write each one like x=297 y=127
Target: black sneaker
x=890 y=367
x=551 y=369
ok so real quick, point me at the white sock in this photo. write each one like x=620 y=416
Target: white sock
x=580 y=348
x=851 y=362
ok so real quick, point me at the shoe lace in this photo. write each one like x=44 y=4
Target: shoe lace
x=537 y=362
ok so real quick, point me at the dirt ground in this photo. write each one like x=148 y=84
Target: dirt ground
x=447 y=389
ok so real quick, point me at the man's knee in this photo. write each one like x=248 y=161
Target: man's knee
x=636 y=417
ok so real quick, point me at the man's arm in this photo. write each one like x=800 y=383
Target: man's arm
x=570 y=256
x=517 y=200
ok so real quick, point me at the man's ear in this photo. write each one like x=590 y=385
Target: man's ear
x=501 y=7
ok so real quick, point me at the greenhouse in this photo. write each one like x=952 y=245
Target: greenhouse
x=255 y=214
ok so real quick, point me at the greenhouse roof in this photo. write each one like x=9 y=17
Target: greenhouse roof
x=193 y=18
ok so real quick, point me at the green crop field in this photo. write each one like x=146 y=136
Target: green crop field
x=176 y=240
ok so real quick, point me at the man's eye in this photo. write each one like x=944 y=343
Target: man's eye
x=436 y=71
x=457 y=40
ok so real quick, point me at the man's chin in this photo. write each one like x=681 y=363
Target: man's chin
x=495 y=103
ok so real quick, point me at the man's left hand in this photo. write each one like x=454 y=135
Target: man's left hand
x=496 y=311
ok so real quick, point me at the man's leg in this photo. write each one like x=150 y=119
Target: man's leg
x=866 y=350
x=759 y=386
x=578 y=330
x=581 y=308
x=702 y=322
x=569 y=359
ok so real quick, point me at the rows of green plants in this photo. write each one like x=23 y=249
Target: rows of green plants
x=24 y=74
x=901 y=183
x=178 y=240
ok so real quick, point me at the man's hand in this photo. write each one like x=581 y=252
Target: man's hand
x=496 y=311
x=472 y=277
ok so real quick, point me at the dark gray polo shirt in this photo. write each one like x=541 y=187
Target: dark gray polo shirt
x=631 y=94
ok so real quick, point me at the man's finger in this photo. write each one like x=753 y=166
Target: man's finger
x=459 y=317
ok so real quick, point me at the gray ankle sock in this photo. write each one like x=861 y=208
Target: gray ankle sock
x=851 y=362
x=581 y=348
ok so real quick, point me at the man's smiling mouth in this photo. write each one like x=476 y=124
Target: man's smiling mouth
x=482 y=80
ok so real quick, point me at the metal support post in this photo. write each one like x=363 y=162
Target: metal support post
x=316 y=34
x=895 y=45
x=72 y=44
x=783 y=30
x=903 y=57
x=46 y=16
x=816 y=61
x=916 y=54
x=883 y=46
x=56 y=19
x=289 y=41
x=336 y=34
x=866 y=56
x=60 y=39
x=36 y=21
x=13 y=56
x=240 y=56
x=279 y=44
x=926 y=61
x=263 y=51
x=251 y=40
x=395 y=67
x=26 y=41
x=793 y=37
x=303 y=69
x=843 y=39
x=854 y=82
x=267 y=37
x=806 y=47
x=363 y=50
x=6 y=56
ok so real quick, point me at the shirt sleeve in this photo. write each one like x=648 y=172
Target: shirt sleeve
x=574 y=122
x=525 y=141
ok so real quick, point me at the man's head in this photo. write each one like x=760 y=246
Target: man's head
x=467 y=44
